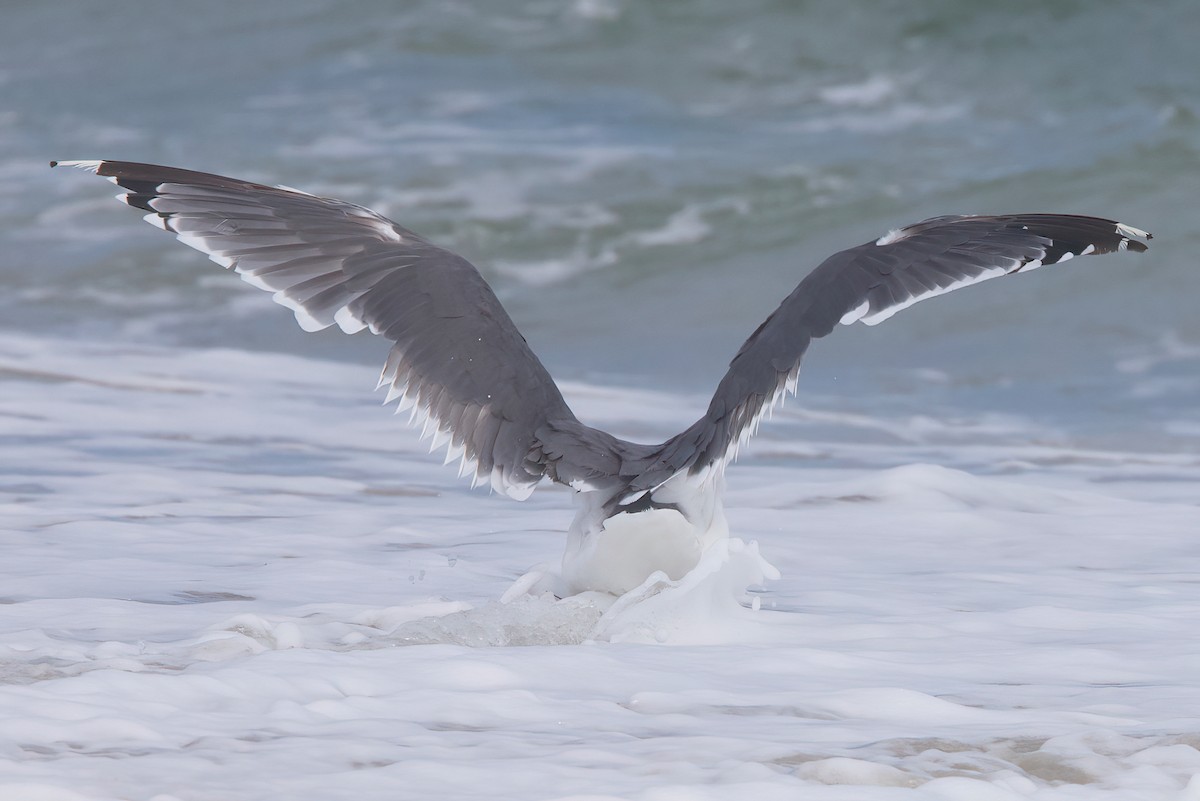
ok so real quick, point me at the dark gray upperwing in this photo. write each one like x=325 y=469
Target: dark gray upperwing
x=870 y=283
x=458 y=362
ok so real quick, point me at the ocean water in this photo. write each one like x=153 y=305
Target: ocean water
x=964 y=560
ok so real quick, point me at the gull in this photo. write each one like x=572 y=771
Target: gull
x=469 y=379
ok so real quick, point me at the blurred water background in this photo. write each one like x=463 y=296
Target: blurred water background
x=642 y=182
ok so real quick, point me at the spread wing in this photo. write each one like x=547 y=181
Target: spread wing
x=464 y=369
x=869 y=284
x=458 y=360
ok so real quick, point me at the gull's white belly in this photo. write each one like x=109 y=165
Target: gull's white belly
x=629 y=548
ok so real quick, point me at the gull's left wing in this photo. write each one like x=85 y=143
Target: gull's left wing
x=458 y=360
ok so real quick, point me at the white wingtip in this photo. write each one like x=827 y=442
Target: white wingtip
x=894 y=235
x=856 y=313
x=89 y=165
x=348 y=321
x=1126 y=230
x=155 y=219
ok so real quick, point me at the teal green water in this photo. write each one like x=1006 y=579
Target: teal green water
x=642 y=182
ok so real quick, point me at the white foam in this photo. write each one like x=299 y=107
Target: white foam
x=683 y=227
x=702 y=606
x=218 y=557
x=870 y=92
